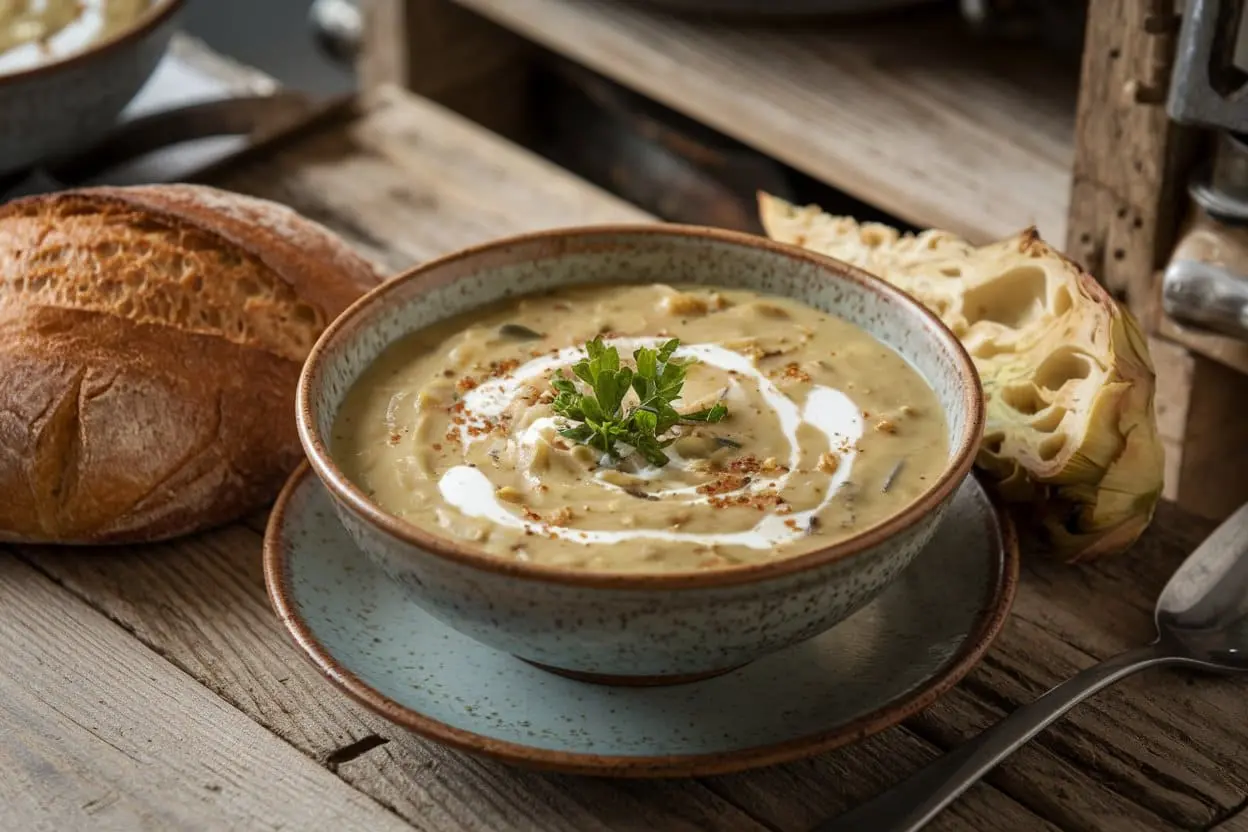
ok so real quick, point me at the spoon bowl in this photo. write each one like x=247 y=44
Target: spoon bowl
x=1202 y=613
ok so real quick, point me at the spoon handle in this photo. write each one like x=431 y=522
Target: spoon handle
x=913 y=802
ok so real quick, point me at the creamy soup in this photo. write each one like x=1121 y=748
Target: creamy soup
x=33 y=32
x=810 y=430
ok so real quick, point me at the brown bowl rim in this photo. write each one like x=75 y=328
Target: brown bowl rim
x=149 y=20
x=346 y=493
x=983 y=633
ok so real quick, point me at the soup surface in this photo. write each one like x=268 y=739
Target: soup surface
x=824 y=430
x=34 y=32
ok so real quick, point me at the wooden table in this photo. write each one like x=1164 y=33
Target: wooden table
x=153 y=688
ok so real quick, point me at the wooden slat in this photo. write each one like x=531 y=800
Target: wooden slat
x=1221 y=348
x=1127 y=188
x=201 y=603
x=98 y=732
x=799 y=795
x=446 y=54
x=412 y=181
x=907 y=114
x=1236 y=823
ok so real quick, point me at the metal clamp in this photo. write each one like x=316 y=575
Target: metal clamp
x=1207 y=296
x=1206 y=88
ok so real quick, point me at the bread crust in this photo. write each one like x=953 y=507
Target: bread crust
x=318 y=265
x=150 y=343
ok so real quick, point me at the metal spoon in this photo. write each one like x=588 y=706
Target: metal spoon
x=1202 y=622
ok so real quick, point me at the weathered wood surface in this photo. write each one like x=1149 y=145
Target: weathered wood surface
x=407 y=181
x=446 y=54
x=1127 y=188
x=1200 y=416
x=909 y=115
x=98 y=731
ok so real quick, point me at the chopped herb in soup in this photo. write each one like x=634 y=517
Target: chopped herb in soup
x=642 y=429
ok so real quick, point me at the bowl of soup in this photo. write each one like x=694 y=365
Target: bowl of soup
x=69 y=67
x=639 y=453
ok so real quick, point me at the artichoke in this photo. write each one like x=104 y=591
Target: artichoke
x=1071 y=438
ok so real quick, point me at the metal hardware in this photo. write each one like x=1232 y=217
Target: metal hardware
x=1222 y=187
x=1206 y=295
x=339 y=27
x=1207 y=89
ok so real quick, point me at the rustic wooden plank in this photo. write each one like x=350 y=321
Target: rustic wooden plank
x=1235 y=823
x=798 y=795
x=448 y=55
x=1129 y=157
x=1175 y=370
x=1221 y=348
x=412 y=181
x=96 y=731
x=1211 y=480
x=908 y=114
x=430 y=46
x=1200 y=407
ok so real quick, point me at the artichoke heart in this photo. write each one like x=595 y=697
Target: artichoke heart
x=1071 y=435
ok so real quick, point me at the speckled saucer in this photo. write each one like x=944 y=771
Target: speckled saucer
x=886 y=662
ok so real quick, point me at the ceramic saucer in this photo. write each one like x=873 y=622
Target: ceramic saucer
x=888 y=661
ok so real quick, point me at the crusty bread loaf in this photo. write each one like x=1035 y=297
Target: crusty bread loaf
x=150 y=343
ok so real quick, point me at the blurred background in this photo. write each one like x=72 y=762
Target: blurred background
x=274 y=36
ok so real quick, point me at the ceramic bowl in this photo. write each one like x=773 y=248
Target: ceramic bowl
x=627 y=628
x=69 y=104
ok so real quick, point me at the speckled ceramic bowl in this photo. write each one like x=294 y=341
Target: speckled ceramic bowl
x=636 y=628
x=69 y=104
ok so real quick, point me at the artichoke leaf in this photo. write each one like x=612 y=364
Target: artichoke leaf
x=1071 y=436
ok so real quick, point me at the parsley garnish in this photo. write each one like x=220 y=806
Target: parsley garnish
x=604 y=424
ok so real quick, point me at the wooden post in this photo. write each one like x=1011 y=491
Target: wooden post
x=1129 y=157
x=449 y=55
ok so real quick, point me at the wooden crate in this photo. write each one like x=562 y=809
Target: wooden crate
x=922 y=121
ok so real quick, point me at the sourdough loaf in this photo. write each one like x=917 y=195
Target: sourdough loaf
x=150 y=343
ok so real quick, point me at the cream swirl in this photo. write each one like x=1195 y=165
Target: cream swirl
x=826 y=409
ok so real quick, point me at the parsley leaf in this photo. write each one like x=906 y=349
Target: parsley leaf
x=603 y=422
